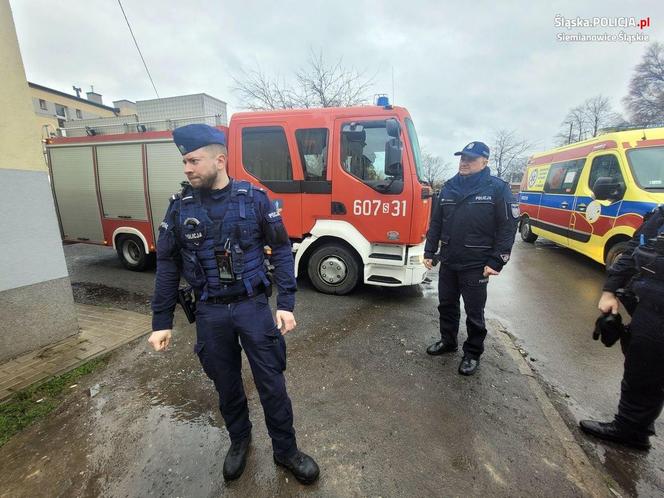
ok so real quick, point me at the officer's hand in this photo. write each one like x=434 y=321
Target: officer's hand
x=608 y=303
x=489 y=271
x=160 y=339
x=428 y=263
x=285 y=321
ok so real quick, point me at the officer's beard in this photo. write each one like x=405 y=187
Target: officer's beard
x=208 y=182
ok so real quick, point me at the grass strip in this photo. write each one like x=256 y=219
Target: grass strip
x=37 y=401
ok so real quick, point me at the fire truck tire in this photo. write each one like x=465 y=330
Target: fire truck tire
x=333 y=269
x=614 y=253
x=526 y=233
x=131 y=252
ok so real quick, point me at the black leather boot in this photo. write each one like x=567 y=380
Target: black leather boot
x=441 y=347
x=469 y=365
x=302 y=466
x=609 y=431
x=236 y=459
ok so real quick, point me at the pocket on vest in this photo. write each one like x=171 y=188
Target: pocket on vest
x=192 y=270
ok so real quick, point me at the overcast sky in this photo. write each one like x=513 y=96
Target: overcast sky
x=463 y=69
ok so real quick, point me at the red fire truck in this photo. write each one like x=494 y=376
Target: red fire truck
x=348 y=180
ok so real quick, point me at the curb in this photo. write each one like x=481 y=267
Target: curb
x=581 y=470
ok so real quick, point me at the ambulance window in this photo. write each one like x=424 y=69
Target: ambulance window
x=563 y=177
x=265 y=153
x=605 y=166
x=363 y=149
x=312 y=146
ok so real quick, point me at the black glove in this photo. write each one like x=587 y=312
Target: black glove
x=609 y=328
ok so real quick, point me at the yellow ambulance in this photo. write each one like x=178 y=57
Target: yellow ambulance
x=591 y=196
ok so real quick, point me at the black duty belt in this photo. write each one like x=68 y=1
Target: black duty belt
x=226 y=299
x=231 y=299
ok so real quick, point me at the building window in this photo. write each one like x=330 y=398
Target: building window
x=60 y=111
x=42 y=104
x=265 y=153
x=79 y=114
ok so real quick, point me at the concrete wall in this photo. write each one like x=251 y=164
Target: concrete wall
x=36 y=303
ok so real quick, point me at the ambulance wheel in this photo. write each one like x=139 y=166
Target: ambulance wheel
x=333 y=269
x=614 y=253
x=132 y=253
x=527 y=234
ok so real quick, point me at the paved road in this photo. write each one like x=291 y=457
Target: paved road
x=547 y=298
x=380 y=416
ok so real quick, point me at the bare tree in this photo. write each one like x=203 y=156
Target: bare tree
x=573 y=127
x=433 y=169
x=645 y=99
x=260 y=92
x=318 y=84
x=587 y=120
x=507 y=152
x=599 y=114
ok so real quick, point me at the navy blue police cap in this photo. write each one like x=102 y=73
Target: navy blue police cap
x=194 y=136
x=474 y=149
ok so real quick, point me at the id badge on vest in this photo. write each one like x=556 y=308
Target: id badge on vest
x=225 y=264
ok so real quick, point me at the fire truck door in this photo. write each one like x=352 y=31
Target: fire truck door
x=370 y=189
x=265 y=158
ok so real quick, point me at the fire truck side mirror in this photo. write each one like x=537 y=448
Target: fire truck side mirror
x=393 y=128
x=393 y=165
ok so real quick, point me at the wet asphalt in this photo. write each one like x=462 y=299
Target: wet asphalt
x=380 y=416
x=547 y=299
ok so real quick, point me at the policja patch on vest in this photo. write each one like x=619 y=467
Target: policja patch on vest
x=516 y=212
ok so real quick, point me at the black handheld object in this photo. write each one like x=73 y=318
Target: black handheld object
x=269 y=272
x=609 y=328
x=186 y=300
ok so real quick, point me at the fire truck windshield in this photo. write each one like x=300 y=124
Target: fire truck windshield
x=415 y=145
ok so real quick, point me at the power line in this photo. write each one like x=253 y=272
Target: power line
x=138 y=48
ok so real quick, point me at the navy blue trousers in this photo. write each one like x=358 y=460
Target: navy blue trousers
x=642 y=388
x=222 y=331
x=472 y=286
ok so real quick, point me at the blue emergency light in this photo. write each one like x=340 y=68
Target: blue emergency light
x=382 y=101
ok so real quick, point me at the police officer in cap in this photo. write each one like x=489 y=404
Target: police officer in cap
x=474 y=223
x=214 y=235
x=642 y=387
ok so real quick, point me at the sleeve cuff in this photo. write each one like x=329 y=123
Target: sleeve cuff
x=495 y=263
x=286 y=302
x=162 y=321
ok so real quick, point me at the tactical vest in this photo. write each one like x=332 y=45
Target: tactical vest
x=238 y=231
x=649 y=260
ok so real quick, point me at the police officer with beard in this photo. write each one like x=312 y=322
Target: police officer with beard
x=214 y=235
x=473 y=223
x=642 y=387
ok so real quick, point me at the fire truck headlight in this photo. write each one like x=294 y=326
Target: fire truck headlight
x=416 y=260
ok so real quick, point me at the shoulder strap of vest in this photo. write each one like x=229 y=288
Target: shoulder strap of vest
x=241 y=187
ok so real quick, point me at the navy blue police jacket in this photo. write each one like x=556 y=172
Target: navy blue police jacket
x=473 y=224
x=219 y=213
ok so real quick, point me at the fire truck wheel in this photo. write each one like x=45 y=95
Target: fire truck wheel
x=333 y=269
x=527 y=234
x=614 y=253
x=132 y=252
